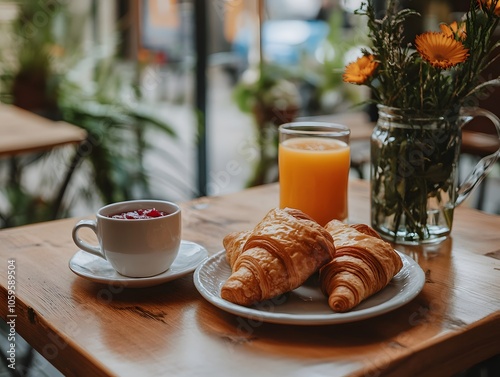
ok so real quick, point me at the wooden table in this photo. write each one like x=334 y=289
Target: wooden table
x=22 y=131
x=88 y=329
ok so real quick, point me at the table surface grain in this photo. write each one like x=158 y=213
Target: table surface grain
x=85 y=328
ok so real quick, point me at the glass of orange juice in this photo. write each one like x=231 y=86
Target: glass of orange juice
x=314 y=161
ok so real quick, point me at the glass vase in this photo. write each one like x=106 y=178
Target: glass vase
x=414 y=173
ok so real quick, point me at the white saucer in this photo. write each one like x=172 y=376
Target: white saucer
x=99 y=270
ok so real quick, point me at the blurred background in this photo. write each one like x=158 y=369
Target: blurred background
x=179 y=99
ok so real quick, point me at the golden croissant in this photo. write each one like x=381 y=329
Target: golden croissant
x=277 y=256
x=362 y=265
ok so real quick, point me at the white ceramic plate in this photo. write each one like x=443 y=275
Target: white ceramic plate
x=306 y=305
x=99 y=270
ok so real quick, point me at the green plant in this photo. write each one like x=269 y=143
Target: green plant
x=85 y=88
x=272 y=100
x=438 y=73
x=116 y=128
x=339 y=43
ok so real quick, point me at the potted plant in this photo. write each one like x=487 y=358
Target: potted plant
x=45 y=75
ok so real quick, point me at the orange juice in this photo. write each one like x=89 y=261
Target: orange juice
x=313 y=177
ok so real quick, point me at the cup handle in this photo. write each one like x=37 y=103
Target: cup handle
x=96 y=250
x=485 y=164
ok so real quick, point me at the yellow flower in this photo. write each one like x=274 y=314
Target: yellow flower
x=453 y=30
x=440 y=50
x=361 y=70
x=487 y=5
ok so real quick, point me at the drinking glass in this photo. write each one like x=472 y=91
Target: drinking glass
x=314 y=162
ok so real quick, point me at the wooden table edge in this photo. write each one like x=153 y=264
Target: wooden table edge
x=422 y=362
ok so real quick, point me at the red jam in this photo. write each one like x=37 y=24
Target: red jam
x=139 y=214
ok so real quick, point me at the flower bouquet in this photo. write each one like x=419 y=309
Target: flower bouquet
x=426 y=91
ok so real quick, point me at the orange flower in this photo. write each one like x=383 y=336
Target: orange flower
x=486 y=4
x=453 y=30
x=440 y=50
x=361 y=70
x=143 y=56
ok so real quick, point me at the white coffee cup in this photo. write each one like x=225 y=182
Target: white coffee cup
x=135 y=247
